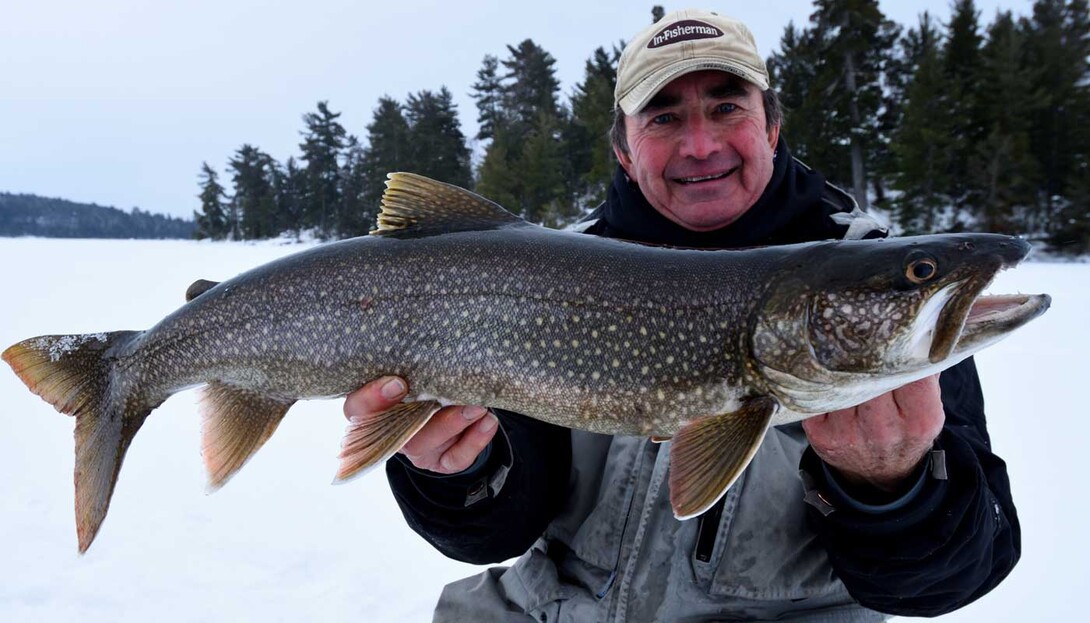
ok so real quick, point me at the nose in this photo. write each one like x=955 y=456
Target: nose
x=699 y=139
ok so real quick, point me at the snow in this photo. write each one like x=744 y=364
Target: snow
x=279 y=544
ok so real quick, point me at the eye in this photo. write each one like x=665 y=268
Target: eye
x=662 y=119
x=727 y=108
x=922 y=270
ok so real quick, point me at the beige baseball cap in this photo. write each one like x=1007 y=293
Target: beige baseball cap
x=683 y=42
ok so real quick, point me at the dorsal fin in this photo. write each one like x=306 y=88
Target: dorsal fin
x=414 y=206
x=198 y=288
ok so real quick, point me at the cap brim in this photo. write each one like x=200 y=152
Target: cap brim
x=634 y=101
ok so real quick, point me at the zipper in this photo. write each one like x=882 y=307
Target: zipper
x=707 y=530
x=631 y=496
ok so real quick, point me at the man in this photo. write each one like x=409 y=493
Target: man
x=900 y=506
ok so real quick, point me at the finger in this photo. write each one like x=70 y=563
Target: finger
x=441 y=432
x=920 y=405
x=374 y=397
x=472 y=442
x=828 y=429
x=924 y=392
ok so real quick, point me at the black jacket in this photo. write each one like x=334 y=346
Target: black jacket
x=947 y=544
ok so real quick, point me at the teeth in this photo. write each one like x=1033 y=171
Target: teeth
x=704 y=178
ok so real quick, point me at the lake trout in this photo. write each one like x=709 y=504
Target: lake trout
x=473 y=305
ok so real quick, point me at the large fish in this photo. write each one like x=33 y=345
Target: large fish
x=475 y=306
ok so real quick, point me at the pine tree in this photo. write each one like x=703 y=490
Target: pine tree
x=323 y=142
x=496 y=177
x=855 y=43
x=530 y=86
x=387 y=151
x=962 y=67
x=590 y=152
x=253 y=200
x=289 y=185
x=793 y=72
x=1058 y=43
x=1071 y=231
x=541 y=182
x=528 y=135
x=1003 y=173
x=488 y=91
x=211 y=219
x=355 y=216
x=437 y=147
x=921 y=142
x=883 y=166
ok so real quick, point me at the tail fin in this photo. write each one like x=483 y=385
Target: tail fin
x=76 y=375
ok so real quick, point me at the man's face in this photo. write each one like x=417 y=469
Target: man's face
x=699 y=150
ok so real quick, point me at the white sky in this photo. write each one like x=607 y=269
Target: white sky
x=118 y=102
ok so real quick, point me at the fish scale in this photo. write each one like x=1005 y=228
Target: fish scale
x=473 y=305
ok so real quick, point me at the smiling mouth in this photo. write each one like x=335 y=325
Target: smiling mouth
x=705 y=178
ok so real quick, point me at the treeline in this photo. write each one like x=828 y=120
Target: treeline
x=544 y=159
x=948 y=126
x=31 y=215
x=943 y=126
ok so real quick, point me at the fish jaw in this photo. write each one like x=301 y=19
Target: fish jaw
x=993 y=317
x=971 y=320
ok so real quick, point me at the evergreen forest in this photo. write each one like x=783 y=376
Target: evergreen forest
x=972 y=124
x=31 y=215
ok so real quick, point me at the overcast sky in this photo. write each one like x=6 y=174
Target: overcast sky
x=118 y=102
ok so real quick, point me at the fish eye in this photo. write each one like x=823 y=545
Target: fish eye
x=921 y=270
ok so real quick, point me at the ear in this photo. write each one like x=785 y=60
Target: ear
x=774 y=136
x=625 y=159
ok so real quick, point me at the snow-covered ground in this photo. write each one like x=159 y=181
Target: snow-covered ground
x=278 y=543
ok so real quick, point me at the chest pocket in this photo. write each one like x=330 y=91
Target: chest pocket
x=763 y=548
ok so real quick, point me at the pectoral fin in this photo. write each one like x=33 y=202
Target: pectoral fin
x=236 y=423
x=370 y=441
x=708 y=455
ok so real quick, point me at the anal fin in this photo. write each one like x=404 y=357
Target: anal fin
x=371 y=441
x=236 y=423
x=708 y=455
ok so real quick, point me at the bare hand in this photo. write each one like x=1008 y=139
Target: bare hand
x=880 y=442
x=451 y=440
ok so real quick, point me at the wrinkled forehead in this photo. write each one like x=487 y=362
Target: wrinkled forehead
x=708 y=84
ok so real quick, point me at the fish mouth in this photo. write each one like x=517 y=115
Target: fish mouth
x=992 y=317
x=971 y=320
x=699 y=179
